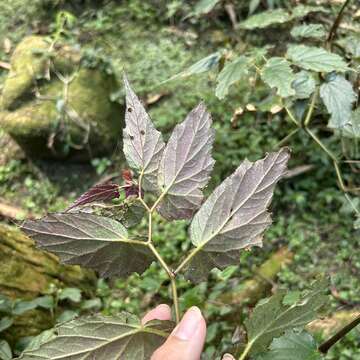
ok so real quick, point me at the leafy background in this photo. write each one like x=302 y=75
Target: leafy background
x=311 y=215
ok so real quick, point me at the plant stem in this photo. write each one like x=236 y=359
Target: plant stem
x=311 y=108
x=246 y=351
x=187 y=259
x=149 y=228
x=287 y=137
x=324 y=347
x=171 y=276
x=156 y=203
x=336 y=24
x=292 y=117
x=320 y=143
x=175 y=299
x=140 y=192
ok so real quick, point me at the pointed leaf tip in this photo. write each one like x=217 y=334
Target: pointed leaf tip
x=235 y=215
x=143 y=144
x=186 y=165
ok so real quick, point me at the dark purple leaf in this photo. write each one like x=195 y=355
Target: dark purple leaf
x=101 y=192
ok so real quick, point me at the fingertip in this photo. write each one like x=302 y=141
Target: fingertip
x=161 y=312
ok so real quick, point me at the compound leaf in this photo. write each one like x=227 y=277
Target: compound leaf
x=143 y=144
x=100 y=192
x=92 y=241
x=186 y=165
x=277 y=73
x=315 y=58
x=304 y=84
x=338 y=96
x=293 y=345
x=103 y=338
x=235 y=214
x=231 y=73
x=271 y=317
x=316 y=31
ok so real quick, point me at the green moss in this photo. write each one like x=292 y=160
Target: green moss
x=26 y=66
x=90 y=117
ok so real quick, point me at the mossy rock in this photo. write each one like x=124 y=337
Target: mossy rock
x=50 y=118
x=28 y=273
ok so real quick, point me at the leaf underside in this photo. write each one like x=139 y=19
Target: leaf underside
x=235 y=215
x=103 y=338
x=92 y=241
x=271 y=317
x=143 y=144
x=186 y=165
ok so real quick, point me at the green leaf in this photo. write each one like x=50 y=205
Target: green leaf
x=205 y=64
x=143 y=144
x=5 y=350
x=277 y=73
x=315 y=58
x=304 y=10
x=352 y=45
x=93 y=241
x=231 y=73
x=352 y=129
x=235 y=215
x=304 y=84
x=5 y=304
x=103 y=338
x=204 y=6
x=5 y=323
x=46 y=302
x=186 y=165
x=271 y=317
x=21 y=307
x=91 y=304
x=293 y=345
x=338 y=96
x=265 y=19
x=316 y=31
x=73 y=294
x=40 y=339
x=66 y=316
x=278 y=16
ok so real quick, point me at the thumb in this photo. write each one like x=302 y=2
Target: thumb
x=187 y=339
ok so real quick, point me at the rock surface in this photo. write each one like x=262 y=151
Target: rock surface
x=27 y=273
x=55 y=106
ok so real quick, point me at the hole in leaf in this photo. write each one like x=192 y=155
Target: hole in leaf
x=142 y=132
x=131 y=137
x=130 y=109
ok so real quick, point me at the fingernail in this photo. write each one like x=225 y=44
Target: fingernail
x=189 y=324
x=162 y=306
x=228 y=357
